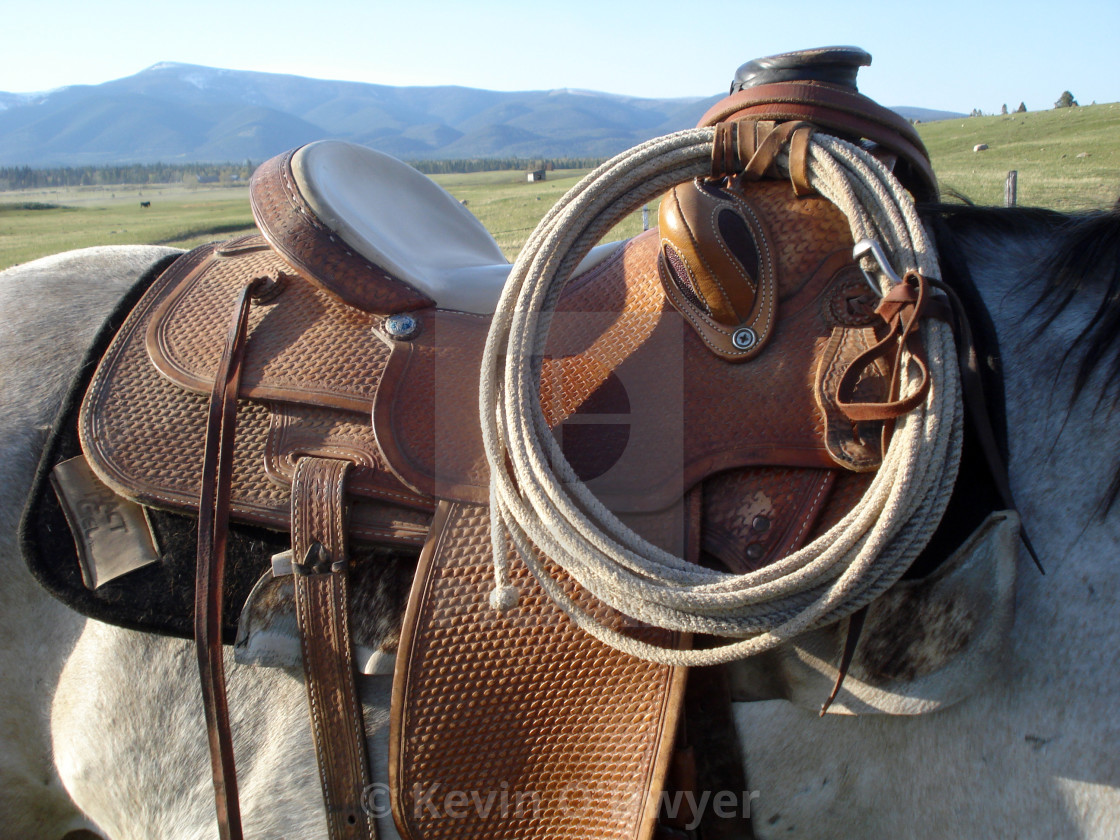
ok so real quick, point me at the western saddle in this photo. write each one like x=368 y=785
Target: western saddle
x=320 y=378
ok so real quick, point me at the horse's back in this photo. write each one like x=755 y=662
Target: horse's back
x=50 y=309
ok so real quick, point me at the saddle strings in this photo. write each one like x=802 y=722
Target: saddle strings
x=540 y=502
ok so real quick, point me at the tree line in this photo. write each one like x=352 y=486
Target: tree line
x=1066 y=100
x=26 y=177
x=445 y=167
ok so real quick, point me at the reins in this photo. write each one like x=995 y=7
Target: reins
x=537 y=498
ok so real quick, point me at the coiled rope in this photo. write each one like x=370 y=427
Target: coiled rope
x=541 y=502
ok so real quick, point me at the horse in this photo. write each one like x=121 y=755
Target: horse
x=103 y=725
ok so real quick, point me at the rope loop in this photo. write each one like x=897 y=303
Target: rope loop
x=538 y=502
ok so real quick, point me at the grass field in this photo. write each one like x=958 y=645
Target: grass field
x=35 y=223
x=1067 y=159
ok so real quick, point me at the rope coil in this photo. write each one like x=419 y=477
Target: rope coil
x=541 y=502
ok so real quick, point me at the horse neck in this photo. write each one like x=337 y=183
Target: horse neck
x=1061 y=448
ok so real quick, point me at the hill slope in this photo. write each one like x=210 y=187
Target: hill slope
x=180 y=112
x=1067 y=158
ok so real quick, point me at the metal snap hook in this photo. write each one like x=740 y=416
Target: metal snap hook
x=870 y=246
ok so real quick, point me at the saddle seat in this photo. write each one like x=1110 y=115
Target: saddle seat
x=333 y=204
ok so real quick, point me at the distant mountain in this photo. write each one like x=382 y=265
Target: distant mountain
x=187 y=113
x=926 y=114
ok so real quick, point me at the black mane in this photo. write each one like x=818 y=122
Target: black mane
x=1084 y=259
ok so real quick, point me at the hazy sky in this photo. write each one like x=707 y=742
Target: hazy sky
x=943 y=54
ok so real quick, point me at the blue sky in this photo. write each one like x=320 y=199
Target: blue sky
x=942 y=54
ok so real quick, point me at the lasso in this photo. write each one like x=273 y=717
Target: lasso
x=544 y=504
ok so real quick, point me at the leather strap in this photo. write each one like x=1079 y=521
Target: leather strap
x=320 y=570
x=835 y=109
x=751 y=148
x=976 y=400
x=213 y=519
x=902 y=309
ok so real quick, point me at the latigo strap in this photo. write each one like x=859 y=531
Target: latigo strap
x=319 y=565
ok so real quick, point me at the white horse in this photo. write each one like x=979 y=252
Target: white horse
x=103 y=726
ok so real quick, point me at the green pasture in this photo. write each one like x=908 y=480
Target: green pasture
x=510 y=207
x=1067 y=159
x=35 y=223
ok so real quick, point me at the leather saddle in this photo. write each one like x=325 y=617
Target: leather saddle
x=320 y=379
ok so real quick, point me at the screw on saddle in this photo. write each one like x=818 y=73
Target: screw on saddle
x=351 y=425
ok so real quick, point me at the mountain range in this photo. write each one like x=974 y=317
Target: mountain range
x=187 y=113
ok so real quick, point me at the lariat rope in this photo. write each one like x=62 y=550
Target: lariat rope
x=537 y=498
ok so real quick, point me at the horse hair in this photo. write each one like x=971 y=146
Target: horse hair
x=1084 y=259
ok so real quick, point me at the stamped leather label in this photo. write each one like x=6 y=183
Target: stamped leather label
x=111 y=533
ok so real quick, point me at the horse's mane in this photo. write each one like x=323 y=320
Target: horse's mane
x=1083 y=258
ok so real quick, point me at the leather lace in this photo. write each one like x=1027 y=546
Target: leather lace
x=213 y=521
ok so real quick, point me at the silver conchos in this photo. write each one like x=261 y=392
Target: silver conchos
x=402 y=327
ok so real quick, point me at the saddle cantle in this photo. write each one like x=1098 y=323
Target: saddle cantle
x=350 y=374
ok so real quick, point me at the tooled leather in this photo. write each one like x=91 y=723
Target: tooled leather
x=755 y=516
x=608 y=316
x=861 y=452
x=143 y=436
x=322 y=614
x=846 y=491
x=307 y=346
x=561 y=735
x=299 y=430
x=316 y=252
x=616 y=322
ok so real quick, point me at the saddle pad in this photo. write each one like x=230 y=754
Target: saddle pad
x=519 y=725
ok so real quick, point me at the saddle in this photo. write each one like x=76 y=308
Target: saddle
x=319 y=379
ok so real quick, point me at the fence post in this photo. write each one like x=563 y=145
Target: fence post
x=1011 y=189
x=645 y=217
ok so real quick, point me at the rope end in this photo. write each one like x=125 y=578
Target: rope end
x=504 y=598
